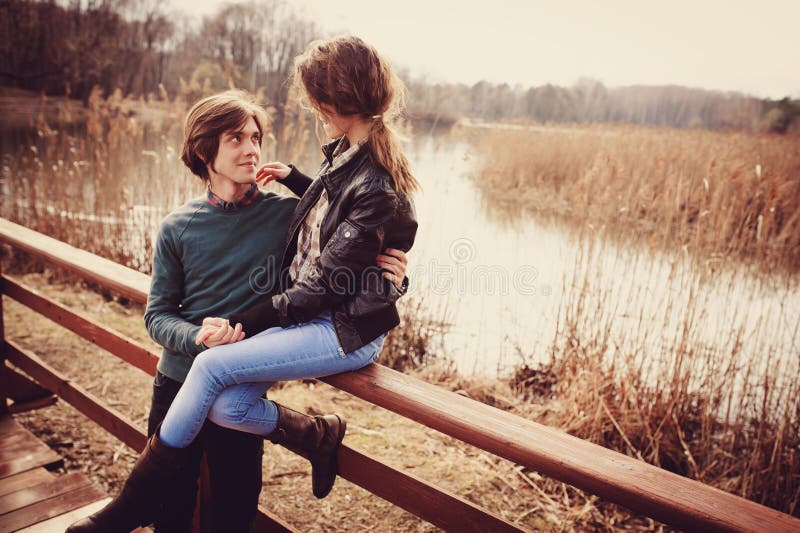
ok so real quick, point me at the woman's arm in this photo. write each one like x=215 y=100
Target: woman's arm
x=287 y=175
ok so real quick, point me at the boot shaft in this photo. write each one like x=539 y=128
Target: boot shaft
x=303 y=432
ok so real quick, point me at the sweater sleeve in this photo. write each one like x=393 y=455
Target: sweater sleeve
x=162 y=317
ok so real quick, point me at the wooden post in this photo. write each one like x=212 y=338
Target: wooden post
x=3 y=384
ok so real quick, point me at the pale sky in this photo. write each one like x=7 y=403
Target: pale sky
x=746 y=46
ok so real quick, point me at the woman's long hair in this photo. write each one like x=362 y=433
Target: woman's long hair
x=350 y=76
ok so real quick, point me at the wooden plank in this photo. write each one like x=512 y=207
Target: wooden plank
x=63 y=521
x=123 y=347
x=11 y=432
x=42 y=491
x=40 y=511
x=92 y=407
x=24 y=393
x=123 y=280
x=29 y=457
x=644 y=488
x=3 y=383
x=8 y=424
x=21 y=407
x=10 y=441
x=20 y=450
x=20 y=388
x=269 y=522
x=24 y=479
x=417 y=496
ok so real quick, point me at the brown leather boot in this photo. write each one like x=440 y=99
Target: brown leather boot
x=315 y=438
x=135 y=505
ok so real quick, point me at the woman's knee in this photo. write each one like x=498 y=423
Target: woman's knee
x=208 y=364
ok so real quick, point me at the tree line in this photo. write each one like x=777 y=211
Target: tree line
x=589 y=101
x=139 y=48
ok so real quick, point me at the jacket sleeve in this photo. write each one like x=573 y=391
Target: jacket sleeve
x=162 y=317
x=296 y=181
x=351 y=250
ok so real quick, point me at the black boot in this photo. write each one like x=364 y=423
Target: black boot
x=136 y=503
x=315 y=438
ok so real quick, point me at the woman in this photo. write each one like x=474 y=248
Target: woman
x=336 y=309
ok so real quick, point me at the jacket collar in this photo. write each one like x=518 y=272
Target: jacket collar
x=332 y=179
x=330 y=148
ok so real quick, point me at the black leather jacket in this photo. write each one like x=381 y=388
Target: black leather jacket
x=365 y=215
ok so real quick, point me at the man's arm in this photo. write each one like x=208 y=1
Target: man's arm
x=162 y=317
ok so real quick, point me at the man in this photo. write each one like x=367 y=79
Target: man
x=214 y=256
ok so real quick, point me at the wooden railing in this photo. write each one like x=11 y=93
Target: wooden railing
x=640 y=487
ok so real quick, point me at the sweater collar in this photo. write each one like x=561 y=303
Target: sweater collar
x=248 y=198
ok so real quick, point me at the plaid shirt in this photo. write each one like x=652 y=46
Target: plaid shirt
x=308 y=245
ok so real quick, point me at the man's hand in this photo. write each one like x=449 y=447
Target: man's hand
x=394 y=262
x=216 y=331
x=274 y=170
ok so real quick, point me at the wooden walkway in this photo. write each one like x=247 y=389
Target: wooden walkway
x=31 y=497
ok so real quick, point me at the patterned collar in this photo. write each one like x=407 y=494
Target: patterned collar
x=248 y=198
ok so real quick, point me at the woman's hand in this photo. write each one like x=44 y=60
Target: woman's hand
x=394 y=262
x=272 y=171
x=216 y=331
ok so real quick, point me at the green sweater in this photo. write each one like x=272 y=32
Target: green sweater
x=211 y=262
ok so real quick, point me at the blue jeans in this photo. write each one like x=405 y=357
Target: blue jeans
x=226 y=383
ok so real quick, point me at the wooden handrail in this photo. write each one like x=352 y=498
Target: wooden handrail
x=409 y=492
x=616 y=477
x=126 y=349
x=413 y=494
x=123 y=280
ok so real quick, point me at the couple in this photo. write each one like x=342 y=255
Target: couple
x=233 y=320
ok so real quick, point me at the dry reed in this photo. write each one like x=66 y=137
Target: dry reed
x=103 y=178
x=725 y=413
x=719 y=195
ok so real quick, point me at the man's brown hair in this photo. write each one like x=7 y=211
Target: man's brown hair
x=211 y=117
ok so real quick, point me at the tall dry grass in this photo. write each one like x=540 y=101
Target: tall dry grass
x=725 y=413
x=103 y=177
x=718 y=195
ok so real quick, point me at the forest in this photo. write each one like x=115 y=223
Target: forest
x=140 y=48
